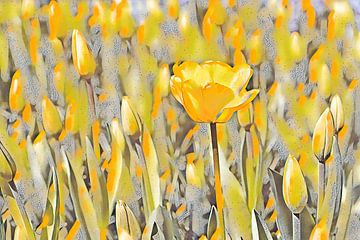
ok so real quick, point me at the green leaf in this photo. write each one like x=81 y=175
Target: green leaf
x=259 y=229
x=284 y=217
x=98 y=187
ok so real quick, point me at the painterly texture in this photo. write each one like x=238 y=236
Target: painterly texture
x=105 y=105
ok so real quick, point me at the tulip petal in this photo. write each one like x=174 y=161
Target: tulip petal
x=236 y=104
x=193 y=101
x=235 y=78
x=175 y=85
x=192 y=71
x=215 y=97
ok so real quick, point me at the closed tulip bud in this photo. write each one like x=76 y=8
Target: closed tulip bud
x=71 y=124
x=117 y=134
x=337 y=111
x=59 y=77
x=323 y=136
x=28 y=8
x=130 y=118
x=255 y=48
x=16 y=98
x=164 y=77
x=51 y=119
x=192 y=177
x=54 y=19
x=294 y=186
x=246 y=116
x=324 y=81
x=126 y=222
x=319 y=232
x=297 y=46
x=83 y=60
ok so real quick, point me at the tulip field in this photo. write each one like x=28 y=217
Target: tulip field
x=179 y=119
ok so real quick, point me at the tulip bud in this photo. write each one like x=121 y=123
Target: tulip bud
x=51 y=119
x=294 y=186
x=319 y=232
x=54 y=19
x=164 y=78
x=126 y=221
x=117 y=134
x=59 y=77
x=192 y=177
x=324 y=81
x=83 y=60
x=255 y=48
x=246 y=116
x=71 y=124
x=323 y=136
x=28 y=8
x=16 y=98
x=297 y=46
x=337 y=112
x=130 y=118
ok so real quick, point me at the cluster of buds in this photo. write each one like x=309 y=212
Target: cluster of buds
x=330 y=123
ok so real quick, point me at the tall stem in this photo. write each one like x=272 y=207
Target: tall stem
x=296 y=226
x=321 y=187
x=218 y=192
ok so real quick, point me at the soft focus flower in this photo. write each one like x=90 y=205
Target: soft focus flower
x=294 y=186
x=211 y=91
x=130 y=118
x=323 y=135
x=324 y=81
x=337 y=111
x=84 y=61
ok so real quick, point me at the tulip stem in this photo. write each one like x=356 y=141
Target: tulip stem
x=218 y=192
x=296 y=226
x=321 y=187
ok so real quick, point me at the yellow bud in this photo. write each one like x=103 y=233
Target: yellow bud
x=59 y=78
x=323 y=135
x=164 y=79
x=324 y=81
x=51 y=119
x=294 y=186
x=319 y=232
x=71 y=124
x=130 y=118
x=83 y=60
x=16 y=98
x=297 y=46
x=246 y=116
x=28 y=8
x=54 y=19
x=337 y=111
x=255 y=48
x=117 y=134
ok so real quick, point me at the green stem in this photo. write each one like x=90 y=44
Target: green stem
x=296 y=226
x=321 y=187
x=218 y=191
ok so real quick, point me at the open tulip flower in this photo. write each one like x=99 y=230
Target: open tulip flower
x=211 y=91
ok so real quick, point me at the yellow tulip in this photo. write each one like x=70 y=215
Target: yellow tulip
x=211 y=91
x=130 y=118
x=337 y=111
x=51 y=119
x=323 y=135
x=319 y=232
x=294 y=186
x=16 y=97
x=83 y=60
